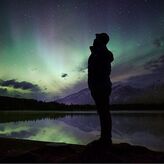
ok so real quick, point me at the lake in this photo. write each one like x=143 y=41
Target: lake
x=139 y=128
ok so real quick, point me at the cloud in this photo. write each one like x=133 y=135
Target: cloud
x=20 y=85
x=82 y=69
x=140 y=61
x=161 y=59
x=159 y=42
x=6 y=92
x=156 y=65
x=83 y=66
x=64 y=75
x=154 y=77
x=35 y=91
x=146 y=80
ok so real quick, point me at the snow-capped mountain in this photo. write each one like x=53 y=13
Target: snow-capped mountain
x=121 y=94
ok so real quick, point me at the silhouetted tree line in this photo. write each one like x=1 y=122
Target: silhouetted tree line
x=11 y=104
x=35 y=115
x=28 y=116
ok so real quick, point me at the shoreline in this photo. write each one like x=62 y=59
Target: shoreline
x=89 y=111
x=28 y=151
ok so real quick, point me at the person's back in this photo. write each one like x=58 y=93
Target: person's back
x=99 y=69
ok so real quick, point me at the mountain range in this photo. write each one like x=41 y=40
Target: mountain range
x=122 y=93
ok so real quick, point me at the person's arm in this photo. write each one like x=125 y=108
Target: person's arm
x=111 y=57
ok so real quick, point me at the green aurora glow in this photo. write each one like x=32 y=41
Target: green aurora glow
x=41 y=40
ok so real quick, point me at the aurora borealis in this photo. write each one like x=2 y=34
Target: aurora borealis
x=44 y=44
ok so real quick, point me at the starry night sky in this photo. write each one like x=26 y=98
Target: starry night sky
x=44 y=44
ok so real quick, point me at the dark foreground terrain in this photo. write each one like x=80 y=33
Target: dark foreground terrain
x=20 y=104
x=14 y=150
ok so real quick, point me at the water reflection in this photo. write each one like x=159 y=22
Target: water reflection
x=145 y=129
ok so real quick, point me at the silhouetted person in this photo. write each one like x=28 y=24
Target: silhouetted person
x=99 y=69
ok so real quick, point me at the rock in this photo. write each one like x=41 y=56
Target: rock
x=23 y=151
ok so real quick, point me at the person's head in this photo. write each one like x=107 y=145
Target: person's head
x=102 y=38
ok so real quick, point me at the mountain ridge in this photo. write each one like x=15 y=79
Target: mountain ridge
x=122 y=93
